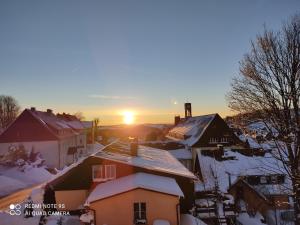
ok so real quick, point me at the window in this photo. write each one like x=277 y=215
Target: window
x=224 y=140
x=274 y=179
x=213 y=140
x=139 y=209
x=263 y=180
x=104 y=172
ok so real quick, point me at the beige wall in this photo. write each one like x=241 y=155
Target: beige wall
x=72 y=199
x=118 y=209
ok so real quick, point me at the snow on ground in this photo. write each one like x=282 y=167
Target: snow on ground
x=245 y=219
x=187 y=219
x=9 y=185
x=7 y=219
x=13 y=179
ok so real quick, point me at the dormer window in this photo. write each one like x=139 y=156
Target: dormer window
x=103 y=172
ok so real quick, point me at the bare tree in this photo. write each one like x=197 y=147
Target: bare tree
x=9 y=109
x=269 y=85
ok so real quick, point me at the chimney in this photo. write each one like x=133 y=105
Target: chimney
x=188 y=109
x=176 y=119
x=49 y=111
x=32 y=108
x=133 y=146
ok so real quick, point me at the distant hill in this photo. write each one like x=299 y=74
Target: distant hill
x=148 y=132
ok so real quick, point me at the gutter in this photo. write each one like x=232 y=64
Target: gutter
x=177 y=213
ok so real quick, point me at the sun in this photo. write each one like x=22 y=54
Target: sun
x=128 y=117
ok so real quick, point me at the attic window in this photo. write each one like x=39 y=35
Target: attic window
x=263 y=180
x=224 y=140
x=213 y=140
x=274 y=179
x=103 y=172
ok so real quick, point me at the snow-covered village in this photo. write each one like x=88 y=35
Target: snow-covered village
x=150 y=112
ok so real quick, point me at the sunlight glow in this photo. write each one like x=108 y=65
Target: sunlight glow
x=128 y=117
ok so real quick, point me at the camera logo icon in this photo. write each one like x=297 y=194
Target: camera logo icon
x=15 y=209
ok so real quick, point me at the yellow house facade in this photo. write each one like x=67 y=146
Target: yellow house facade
x=136 y=199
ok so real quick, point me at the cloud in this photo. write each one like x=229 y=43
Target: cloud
x=112 y=97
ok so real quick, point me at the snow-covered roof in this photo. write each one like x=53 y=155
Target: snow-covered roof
x=191 y=129
x=147 y=157
x=138 y=180
x=262 y=128
x=188 y=219
x=181 y=153
x=236 y=165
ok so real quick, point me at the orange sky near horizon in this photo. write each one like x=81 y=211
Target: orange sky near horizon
x=115 y=116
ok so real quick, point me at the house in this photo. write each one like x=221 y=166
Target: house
x=59 y=141
x=139 y=198
x=266 y=194
x=259 y=181
x=118 y=160
x=205 y=132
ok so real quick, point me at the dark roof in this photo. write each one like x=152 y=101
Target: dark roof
x=33 y=125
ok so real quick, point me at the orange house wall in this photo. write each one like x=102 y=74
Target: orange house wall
x=118 y=209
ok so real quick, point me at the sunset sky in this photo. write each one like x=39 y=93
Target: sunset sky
x=148 y=57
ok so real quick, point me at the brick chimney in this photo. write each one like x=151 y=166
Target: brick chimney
x=49 y=111
x=176 y=119
x=32 y=108
x=134 y=145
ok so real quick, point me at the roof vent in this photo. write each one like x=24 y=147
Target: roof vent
x=49 y=111
x=32 y=108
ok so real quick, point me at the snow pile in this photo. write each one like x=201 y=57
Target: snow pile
x=245 y=219
x=9 y=185
x=12 y=179
x=187 y=219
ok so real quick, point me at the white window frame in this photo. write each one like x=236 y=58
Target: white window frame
x=213 y=140
x=107 y=172
x=224 y=140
